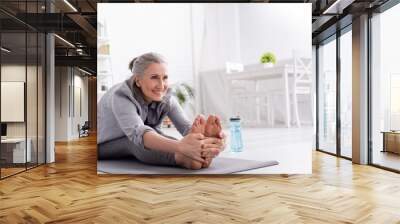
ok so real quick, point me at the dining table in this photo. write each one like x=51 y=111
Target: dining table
x=282 y=75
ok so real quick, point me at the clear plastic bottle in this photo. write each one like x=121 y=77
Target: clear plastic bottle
x=236 y=135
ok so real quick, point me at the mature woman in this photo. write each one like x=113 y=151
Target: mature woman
x=130 y=115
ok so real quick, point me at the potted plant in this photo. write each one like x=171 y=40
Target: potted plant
x=268 y=59
x=184 y=93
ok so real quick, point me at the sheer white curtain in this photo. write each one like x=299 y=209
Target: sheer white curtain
x=216 y=40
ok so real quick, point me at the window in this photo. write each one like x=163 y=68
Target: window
x=327 y=96
x=385 y=89
x=22 y=68
x=346 y=93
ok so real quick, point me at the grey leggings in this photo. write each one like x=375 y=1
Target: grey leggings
x=124 y=148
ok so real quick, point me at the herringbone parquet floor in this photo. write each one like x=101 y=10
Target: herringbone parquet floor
x=70 y=191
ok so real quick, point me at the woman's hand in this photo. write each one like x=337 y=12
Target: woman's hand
x=196 y=146
x=222 y=136
x=216 y=145
x=191 y=146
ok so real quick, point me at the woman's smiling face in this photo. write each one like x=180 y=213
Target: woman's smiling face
x=154 y=82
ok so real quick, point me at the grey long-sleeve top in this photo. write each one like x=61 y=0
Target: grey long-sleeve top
x=122 y=111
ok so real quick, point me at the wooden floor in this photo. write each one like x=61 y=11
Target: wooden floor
x=387 y=159
x=69 y=191
x=10 y=171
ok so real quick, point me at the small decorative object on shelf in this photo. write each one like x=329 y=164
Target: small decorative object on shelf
x=268 y=59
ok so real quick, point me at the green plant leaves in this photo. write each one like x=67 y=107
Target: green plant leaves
x=183 y=92
x=268 y=57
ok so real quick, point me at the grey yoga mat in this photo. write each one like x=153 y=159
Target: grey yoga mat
x=220 y=165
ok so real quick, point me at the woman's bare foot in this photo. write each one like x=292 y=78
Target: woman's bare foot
x=213 y=127
x=208 y=156
x=207 y=163
x=198 y=125
x=187 y=162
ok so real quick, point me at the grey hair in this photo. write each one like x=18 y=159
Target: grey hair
x=139 y=64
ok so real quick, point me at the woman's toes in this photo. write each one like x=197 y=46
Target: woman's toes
x=194 y=165
x=210 y=126
x=218 y=123
x=211 y=120
x=214 y=152
x=195 y=126
x=207 y=163
x=186 y=162
x=213 y=126
x=198 y=125
x=202 y=123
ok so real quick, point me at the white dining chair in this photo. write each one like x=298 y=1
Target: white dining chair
x=301 y=85
x=233 y=67
x=253 y=105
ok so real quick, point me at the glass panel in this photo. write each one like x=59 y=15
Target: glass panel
x=31 y=86
x=386 y=89
x=13 y=85
x=22 y=67
x=327 y=96
x=41 y=98
x=346 y=93
x=31 y=97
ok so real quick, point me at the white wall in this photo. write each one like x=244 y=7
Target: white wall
x=280 y=28
x=135 y=29
x=85 y=98
x=66 y=102
x=33 y=126
x=241 y=33
x=209 y=34
x=15 y=72
x=79 y=117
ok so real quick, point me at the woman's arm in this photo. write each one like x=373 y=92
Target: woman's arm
x=126 y=114
x=191 y=145
x=132 y=125
x=178 y=117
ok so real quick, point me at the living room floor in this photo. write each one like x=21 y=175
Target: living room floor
x=70 y=191
x=291 y=147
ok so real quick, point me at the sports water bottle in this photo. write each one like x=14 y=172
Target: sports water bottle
x=236 y=135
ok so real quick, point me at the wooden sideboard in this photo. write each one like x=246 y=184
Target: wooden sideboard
x=391 y=141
